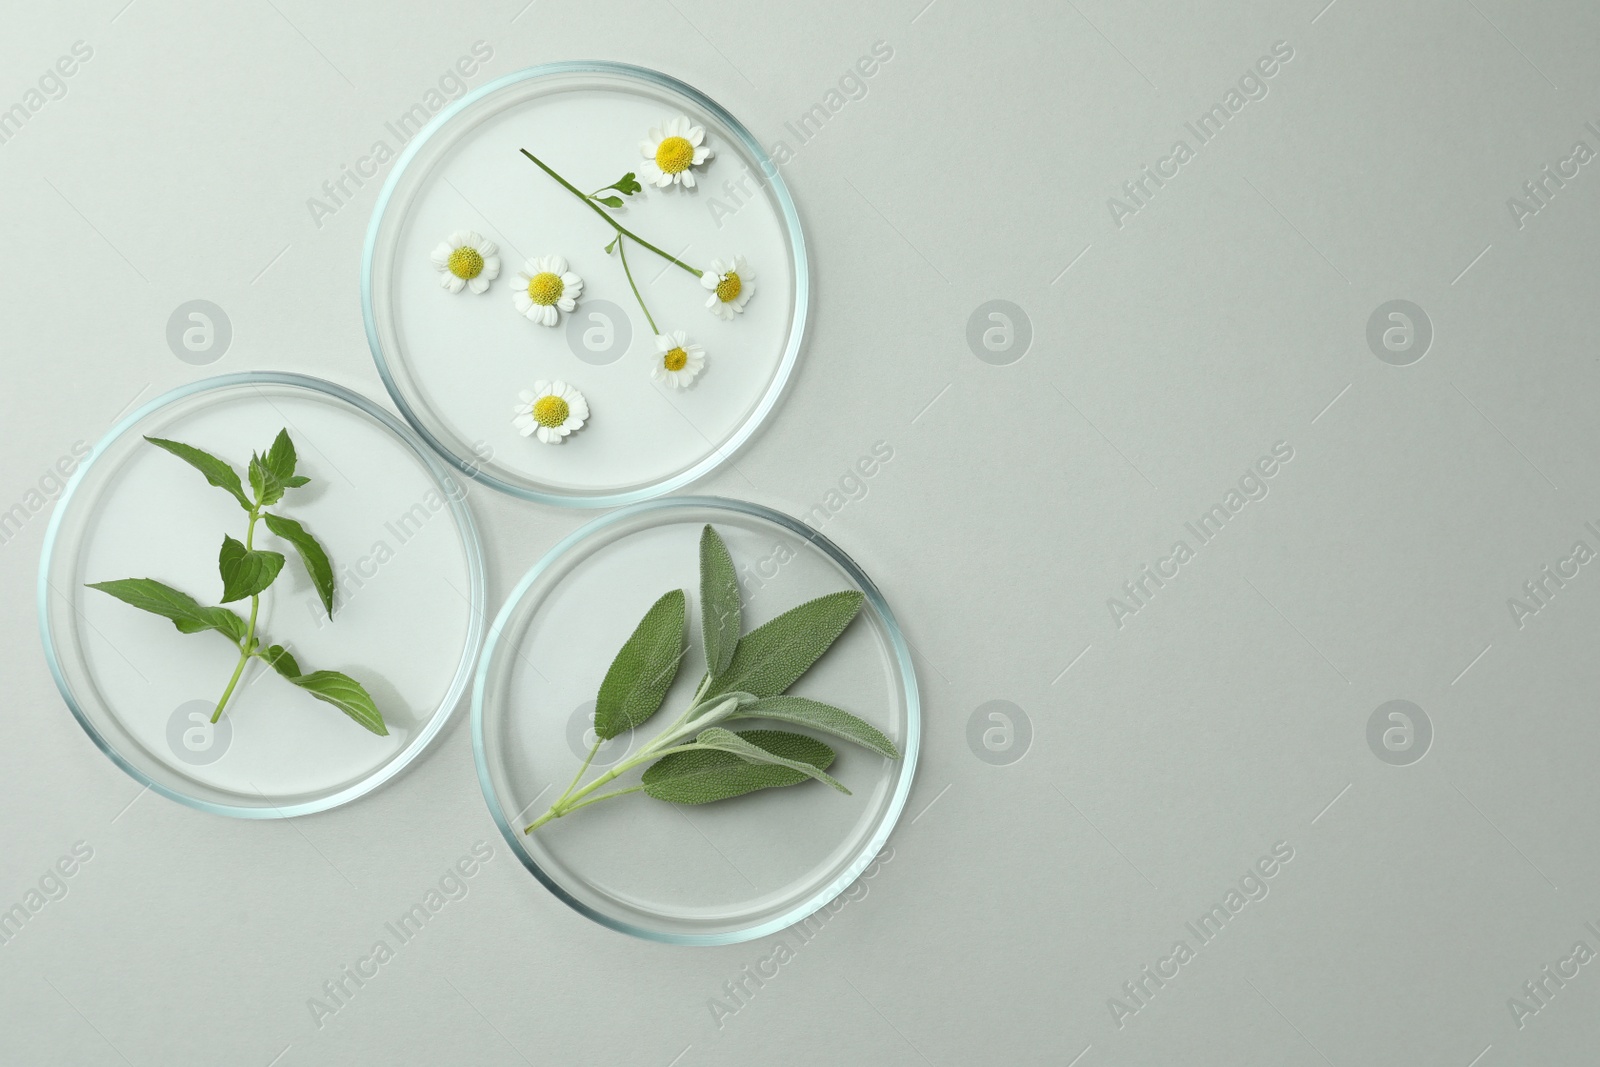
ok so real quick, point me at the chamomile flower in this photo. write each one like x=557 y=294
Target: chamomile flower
x=544 y=285
x=671 y=150
x=465 y=260
x=731 y=285
x=677 y=362
x=550 y=411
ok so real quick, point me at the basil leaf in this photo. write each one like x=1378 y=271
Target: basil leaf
x=279 y=659
x=638 y=679
x=701 y=776
x=751 y=752
x=280 y=458
x=245 y=572
x=217 y=472
x=267 y=485
x=819 y=716
x=720 y=620
x=316 y=561
x=773 y=656
x=186 y=613
x=344 y=693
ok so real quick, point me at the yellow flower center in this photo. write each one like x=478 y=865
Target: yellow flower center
x=550 y=411
x=545 y=288
x=466 y=263
x=674 y=154
x=728 y=288
x=675 y=359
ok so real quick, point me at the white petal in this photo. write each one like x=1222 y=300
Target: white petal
x=557 y=265
x=701 y=155
x=696 y=135
x=520 y=300
x=709 y=279
x=688 y=179
x=486 y=248
x=566 y=303
x=491 y=268
x=480 y=284
x=647 y=149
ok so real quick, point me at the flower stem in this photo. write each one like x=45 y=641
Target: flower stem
x=613 y=223
x=622 y=251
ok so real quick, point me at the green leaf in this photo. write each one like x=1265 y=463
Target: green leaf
x=279 y=659
x=701 y=776
x=626 y=185
x=245 y=572
x=311 y=554
x=296 y=482
x=612 y=247
x=720 y=619
x=773 y=656
x=186 y=613
x=344 y=693
x=751 y=752
x=267 y=485
x=610 y=201
x=217 y=472
x=819 y=716
x=638 y=679
x=280 y=458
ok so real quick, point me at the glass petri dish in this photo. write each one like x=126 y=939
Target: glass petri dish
x=408 y=607
x=709 y=874
x=455 y=362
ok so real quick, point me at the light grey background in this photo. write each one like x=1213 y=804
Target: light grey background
x=1167 y=756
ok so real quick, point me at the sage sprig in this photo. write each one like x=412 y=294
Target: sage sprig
x=247 y=571
x=697 y=759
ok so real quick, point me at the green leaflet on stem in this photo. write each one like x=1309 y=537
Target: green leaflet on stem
x=696 y=759
x=247 y=571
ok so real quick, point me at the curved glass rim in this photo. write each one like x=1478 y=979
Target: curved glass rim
x=471 y=544
x=799 y=261
x=908 y=676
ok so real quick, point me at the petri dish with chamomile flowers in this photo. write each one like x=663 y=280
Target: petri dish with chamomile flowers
x=585 y=284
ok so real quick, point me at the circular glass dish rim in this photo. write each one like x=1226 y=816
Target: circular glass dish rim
x=902 y=655
x=799 y=262
x=471 y=544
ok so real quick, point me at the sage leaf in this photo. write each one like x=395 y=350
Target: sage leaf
x=186 y=613
x=280 y=458
x=245 y=571
x=638 y=679
x=316 y=561
x=279 y=659
x=701 y=776
x=344 y=693
x=819 y=716
x=750 y=751
x=774 y=655
x=218 y=472
x=720 y=612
